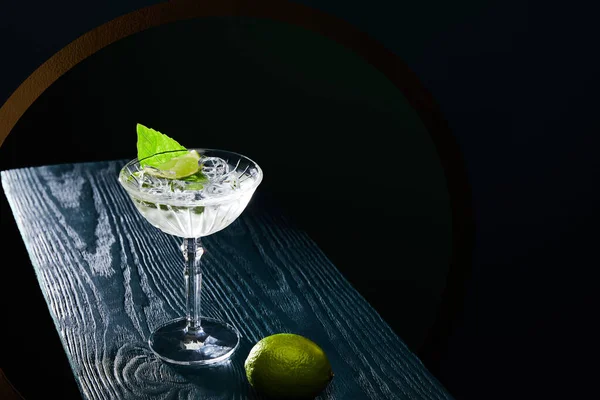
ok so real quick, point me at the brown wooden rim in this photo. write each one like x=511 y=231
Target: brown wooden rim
x=334 y=28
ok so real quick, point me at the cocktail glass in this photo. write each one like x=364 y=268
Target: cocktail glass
x=184 y=210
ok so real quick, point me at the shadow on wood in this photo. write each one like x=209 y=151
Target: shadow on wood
x=222 y=379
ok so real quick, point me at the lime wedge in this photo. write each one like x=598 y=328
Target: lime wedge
x=177 y=167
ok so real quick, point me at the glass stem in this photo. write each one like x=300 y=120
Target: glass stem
x=192 y=252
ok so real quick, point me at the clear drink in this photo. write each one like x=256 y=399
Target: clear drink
x=203 y=193
x=194 y=220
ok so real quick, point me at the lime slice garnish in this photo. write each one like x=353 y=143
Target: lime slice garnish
x=177 y=167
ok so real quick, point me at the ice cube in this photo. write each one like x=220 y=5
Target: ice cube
x=214 y=168
x=148 y=181
x=231 y=180
x=215 y=189
x=178 y=186
x=183 y=190
x=227 y=184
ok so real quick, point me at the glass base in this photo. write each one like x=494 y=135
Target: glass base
x=174 y=343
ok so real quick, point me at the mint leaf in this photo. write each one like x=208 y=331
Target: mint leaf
x=198 y=179
x=150 y=145
x=195 y=186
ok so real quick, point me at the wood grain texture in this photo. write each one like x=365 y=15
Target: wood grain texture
x=109 y=278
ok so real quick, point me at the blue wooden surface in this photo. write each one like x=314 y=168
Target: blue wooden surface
x=109 y=278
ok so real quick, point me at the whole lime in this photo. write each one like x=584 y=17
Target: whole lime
x=288 y=366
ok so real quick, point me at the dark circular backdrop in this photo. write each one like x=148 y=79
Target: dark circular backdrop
x=352 y=146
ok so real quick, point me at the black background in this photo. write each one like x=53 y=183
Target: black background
x=518 y=83
x=300 y=105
